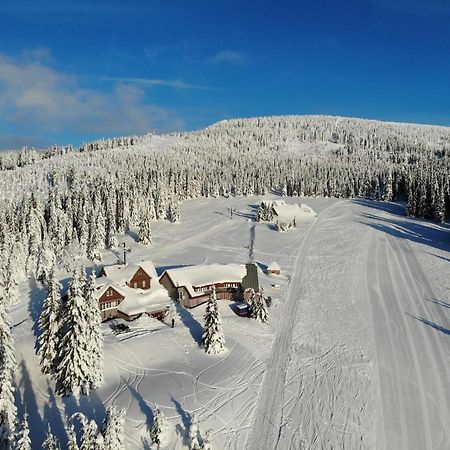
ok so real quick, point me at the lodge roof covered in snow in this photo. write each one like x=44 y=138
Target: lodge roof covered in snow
x=285 y=210
x=273 y=266
x=136 y=301
x=205 y=275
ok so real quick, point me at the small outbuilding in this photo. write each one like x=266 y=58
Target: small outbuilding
x=273 y=269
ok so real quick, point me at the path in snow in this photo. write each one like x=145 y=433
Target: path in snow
x=268 y=419
x=361 y=358
x=411 y=335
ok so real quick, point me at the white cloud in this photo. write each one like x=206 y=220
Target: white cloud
x=228 y=57
x=36 y=96
x=177 y=84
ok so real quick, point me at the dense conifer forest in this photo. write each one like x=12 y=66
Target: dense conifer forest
x=61 y=201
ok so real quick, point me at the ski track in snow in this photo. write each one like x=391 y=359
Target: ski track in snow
x=356 y=355
x=413 y=369
x=268 y=419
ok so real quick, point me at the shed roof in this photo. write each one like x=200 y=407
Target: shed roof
x=273 y=266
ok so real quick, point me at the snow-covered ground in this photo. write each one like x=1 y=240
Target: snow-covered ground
x=355 y=355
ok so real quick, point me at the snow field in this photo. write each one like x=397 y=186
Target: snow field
x=355 y=354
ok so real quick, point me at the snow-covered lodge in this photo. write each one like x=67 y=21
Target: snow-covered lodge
x=284 y=211
x=192 y=285
x=128 y=291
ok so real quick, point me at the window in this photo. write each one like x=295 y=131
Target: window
x=108 y=305
x=144 y=284
x=135 y=284
x=109 y=293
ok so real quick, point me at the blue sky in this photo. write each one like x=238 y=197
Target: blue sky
x=72 y=71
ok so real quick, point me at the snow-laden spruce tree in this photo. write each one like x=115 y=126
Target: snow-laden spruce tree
x=49 y=326
x=46 y=260
x=96 y=241
x=173 y=213
x=50 y=443
x=206 y=444
x=8 y=366
x=94 y=335
x=91 y=439
x=74 y=359
x=71 y=438
x=258 y=309
x=193 y=434
x=23 y=436
x=145 y=230
x=158 y=427
x=113 y=429
x=213 y=339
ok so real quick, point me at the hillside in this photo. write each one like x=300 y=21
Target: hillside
x=360 y=306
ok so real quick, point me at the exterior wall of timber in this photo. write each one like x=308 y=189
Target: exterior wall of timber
x=140 y=280
x=167 y=283
x=110 y=295
x=108 y=314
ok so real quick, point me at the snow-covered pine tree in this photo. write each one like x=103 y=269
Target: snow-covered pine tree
x=49 y=326
x=91 y=439
x=8 y=366
x=50 y=443
x=96 y=242
x=23 y=436
x=259 y=309
x=388 y=194
x=158 y=427
x=46 y=260
x=113 y=429
x=439 y=203
x=206 y=445
x=213 y=339
x=74 y=360
x=145 y=230
x=71 y=438
x=173 y=213
x=193 y=434
x=94 y=335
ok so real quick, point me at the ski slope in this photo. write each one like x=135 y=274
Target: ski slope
x=355 y=356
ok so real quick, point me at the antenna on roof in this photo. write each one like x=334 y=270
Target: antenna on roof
x=125 y=251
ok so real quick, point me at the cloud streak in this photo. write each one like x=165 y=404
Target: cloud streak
x=176 y=84
x=228 y=57
x=34 y=96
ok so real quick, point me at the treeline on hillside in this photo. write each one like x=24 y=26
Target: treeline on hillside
x=78 y=202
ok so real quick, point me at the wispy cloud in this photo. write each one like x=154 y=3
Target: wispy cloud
x=176 y=84
x=228 y=57
x=36 y=96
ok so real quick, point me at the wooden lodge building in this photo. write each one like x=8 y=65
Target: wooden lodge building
x=192 y=285
x=130 y=290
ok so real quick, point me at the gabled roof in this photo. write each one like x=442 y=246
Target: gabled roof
x=273 y=266
x=288 y=211
x=205 y=275
x=136 y=301
x=121 y=274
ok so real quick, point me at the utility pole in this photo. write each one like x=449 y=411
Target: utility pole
x=232 y=210
x=125 y=251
